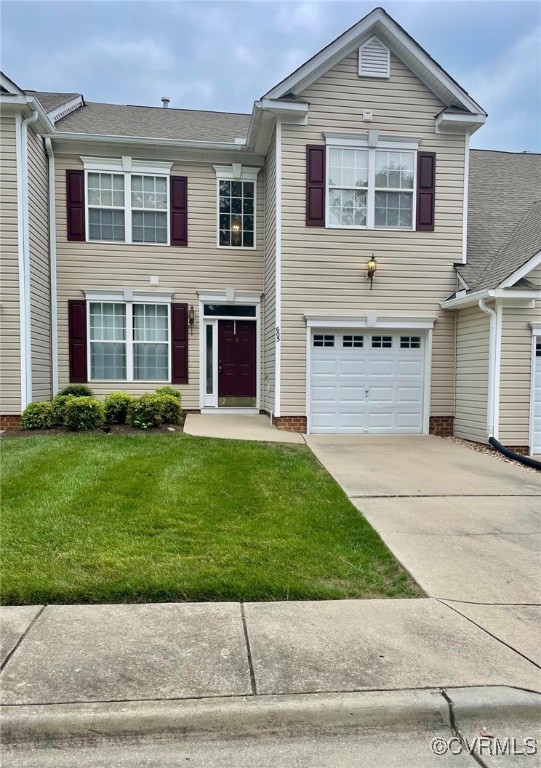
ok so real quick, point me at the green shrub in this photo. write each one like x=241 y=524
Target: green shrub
x=169 y=391
x=37 y=416
x=146 y=411
x=77 y=390
x=171 y=409
x=59 y=408
x=116 y=406
x=84 y=413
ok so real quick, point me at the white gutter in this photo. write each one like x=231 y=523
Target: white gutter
x=494 y=356
x=278 y=275
x=52 y=267
x=463 y=299
x=154 y=142
x=24 y=268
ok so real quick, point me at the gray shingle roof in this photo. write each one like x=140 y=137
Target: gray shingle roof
x=155 y=123
x=51 y=101
x=504 y=222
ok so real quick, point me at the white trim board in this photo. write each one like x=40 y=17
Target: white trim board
x=369 y=320
x=524 y=270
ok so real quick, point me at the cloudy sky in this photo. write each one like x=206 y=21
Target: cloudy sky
x=223 y=55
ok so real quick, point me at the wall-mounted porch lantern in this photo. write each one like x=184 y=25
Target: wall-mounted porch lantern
x=191 y=318
x=371 y=269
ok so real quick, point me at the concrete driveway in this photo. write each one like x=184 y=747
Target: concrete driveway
x=466 y=525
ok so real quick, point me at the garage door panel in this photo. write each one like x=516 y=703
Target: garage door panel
x=366 y=389
x=409 y=368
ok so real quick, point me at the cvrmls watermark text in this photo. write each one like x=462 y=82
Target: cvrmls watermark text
x=484 y=745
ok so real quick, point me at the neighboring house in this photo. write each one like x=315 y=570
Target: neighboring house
x=227 y=254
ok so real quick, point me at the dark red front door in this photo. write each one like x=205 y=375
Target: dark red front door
x=237 y=379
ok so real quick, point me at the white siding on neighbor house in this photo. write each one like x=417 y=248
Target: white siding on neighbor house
x=472 y=359
x=324 y=269
x=515 y=371
x=40 y=291
x=10 y=383
x=269 y=325
x=184 y=271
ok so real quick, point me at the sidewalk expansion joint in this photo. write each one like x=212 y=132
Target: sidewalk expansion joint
x=22 y=637
x=248 y=651
x=519 y=653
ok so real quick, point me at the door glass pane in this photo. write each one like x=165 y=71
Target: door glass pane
x=229 y=310
x=210 y=361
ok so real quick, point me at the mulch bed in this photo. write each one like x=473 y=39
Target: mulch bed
x=113 y=429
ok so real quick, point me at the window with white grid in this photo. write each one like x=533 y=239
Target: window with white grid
x=394 y=190
x=106 y=207
x=128 y=341
x=107 y=341
x=127 y=207
x=370 y=188
x=149 y=209
x=410 y=342
x=352 y=341
x=150 y=342
x=323 y=340
x=348 y=187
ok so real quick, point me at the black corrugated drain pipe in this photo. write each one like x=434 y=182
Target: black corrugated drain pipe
x=527 y=460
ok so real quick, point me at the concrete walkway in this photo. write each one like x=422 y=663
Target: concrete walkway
x=237 y=427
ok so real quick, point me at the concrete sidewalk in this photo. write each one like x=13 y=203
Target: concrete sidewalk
x=101 y=653
x=311 y=684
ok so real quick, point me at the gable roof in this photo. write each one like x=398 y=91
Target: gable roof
x=154 y=122
x=52 y=101
x=379 y=23
x=504 y=215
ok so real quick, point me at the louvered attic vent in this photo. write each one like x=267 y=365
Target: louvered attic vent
x=374 y=59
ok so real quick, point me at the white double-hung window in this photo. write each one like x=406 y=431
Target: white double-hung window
x=128 y=340
x=127 y=201
x=370 y=187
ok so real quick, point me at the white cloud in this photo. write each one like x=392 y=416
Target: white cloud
x=146 y=53
x=308 y=17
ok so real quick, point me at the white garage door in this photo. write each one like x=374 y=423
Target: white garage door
x=536 y=426
x=367 y=382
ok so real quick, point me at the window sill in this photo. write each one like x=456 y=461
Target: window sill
x=125 y=381
x=237 y=247
x=124 y=242
x=370 y=229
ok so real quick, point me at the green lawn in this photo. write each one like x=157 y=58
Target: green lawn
x=159 y=517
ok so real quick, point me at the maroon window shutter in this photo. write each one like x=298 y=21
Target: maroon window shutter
x=179 y=343
x=77 y=341
x=179 y=210
x=426 y=191
x=315 y=185
x=75 y=198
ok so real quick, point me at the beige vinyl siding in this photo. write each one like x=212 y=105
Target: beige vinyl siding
x=40 y=292
x=184 y=271
x=515 y=375
x=472 y=361
x=324 y=269
x=516 y=369
x=269 y=325
x=10 y=383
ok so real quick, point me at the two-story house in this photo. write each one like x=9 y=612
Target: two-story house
x=312 y=260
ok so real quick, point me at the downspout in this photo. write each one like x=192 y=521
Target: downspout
x=493 y=369
x=24 y=271
x=278 y=278
x=52 y=267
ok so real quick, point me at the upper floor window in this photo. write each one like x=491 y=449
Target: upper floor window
x=126 y=204
x=237 y=213
x=237 y=201
x=370 y=188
